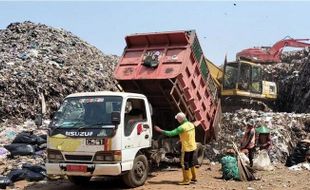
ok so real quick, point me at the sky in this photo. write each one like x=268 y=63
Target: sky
x=223 y=27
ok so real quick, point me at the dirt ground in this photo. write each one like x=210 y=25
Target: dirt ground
x=280 y=178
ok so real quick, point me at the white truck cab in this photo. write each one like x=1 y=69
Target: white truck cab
x=101 y=134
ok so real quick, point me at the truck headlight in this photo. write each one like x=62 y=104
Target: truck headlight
x=54 y=155
x=99 y=158
x=108 y=155
x=108 y=158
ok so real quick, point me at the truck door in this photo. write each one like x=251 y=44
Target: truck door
x=137 y=128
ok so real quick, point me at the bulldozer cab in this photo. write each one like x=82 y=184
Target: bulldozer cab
x=243 y=76
x=246 y=80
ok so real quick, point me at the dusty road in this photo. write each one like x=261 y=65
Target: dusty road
x=279 y=179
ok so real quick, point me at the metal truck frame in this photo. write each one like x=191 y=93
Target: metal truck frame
x=111 y=133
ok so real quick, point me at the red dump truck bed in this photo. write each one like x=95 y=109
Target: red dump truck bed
x=170 y=69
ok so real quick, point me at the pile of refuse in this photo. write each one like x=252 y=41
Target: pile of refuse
x=286 y=129
x=22 y=152
x=292 y=78
x=299 y=153
x=35 y=59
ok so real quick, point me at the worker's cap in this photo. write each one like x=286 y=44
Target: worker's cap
x=181 y=115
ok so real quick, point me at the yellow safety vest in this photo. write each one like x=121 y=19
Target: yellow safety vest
x=187 y=137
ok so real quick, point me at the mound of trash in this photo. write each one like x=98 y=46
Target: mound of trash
x=35 y=59
x=292 y=78
x=286 y=130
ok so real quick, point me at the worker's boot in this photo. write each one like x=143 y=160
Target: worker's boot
x=188 y=177
x=194 y=176
x=184 y=175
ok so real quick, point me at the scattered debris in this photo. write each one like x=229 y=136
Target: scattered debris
x=300 y=166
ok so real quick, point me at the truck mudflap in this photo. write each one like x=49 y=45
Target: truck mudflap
x=83 y=169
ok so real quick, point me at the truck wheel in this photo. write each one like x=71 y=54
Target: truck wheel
x=79 y=180
x=138 y=174
x=200 y=154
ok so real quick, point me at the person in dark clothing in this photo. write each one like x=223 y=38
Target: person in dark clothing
x=263 y=138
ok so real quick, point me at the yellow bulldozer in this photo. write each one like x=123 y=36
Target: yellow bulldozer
x=243 y=84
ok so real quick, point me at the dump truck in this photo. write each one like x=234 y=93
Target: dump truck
x=111 y=133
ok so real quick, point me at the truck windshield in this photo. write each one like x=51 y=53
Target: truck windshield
x=87 y=112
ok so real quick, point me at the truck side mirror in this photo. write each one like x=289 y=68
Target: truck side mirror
x=38 y=120
x=116 y=118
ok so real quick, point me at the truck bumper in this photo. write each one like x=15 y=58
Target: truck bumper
x=92 y=169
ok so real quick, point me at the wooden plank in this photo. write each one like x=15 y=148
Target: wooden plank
x=242 y=174
x=244 y=169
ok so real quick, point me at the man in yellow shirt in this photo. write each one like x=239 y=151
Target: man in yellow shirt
x=186 y=131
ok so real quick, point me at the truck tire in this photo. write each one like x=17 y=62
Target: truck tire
x=79 y=180
x=139 y=172
x=199 y=154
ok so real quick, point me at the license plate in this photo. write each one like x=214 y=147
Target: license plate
x=76 y=168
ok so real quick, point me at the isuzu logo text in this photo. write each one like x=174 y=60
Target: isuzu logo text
x=78 y=134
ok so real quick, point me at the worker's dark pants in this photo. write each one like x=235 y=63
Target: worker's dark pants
x=251 y=155
x=188 y=160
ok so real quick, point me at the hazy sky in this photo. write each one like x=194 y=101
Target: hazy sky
x=222 y=27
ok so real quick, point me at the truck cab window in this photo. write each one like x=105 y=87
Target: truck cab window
x=134 y=113
x=87 y=112
x=95 y=113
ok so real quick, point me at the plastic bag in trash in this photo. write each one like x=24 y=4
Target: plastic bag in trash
x=34 y=176
x=28 y=172
x=25 y=137
x=262 y=161
x=17 y=175
x=244 y=158
x=20 y=149
x=35 y=168
x=230 y=168
x=4 y=182
x=10 y=134
x=41 y=139
x=3 y=151
x=298 y=155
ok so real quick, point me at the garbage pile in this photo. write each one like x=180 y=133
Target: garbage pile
x=28 y=172
x=22 y=152
x=298 y=154
x=26 y=143
x=292 y=78
x=35 y=58
x=286 y=130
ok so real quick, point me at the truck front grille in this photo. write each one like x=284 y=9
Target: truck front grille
x=79 y=157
